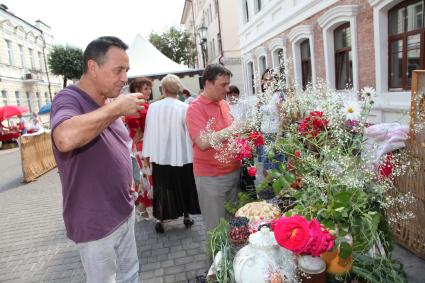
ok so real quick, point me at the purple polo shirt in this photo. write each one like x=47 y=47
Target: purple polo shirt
x=96 y=178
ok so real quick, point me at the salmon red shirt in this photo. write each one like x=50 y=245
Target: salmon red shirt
x=201 y=112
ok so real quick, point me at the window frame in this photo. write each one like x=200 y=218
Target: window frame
x=346 y=51
x=9 y=51
x=403 y=37
x=305 y=62
x=4 y=97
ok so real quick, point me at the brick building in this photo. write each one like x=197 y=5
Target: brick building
x=354 y=43
x=23 y=57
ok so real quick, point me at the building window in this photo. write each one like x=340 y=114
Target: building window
x=18 y=99
x=258 y=5
x=210 y=13
x=9 y=51
x=305 y=63
x=406 y=42
x=216 y=7
x=31 y=57
x=4 y=97
x=40 y=60
x=22 y=56
x=246 y=11
x=343 y=57
x=251 y=85
x=262 y=64
x=213 y=47
x=37 y=95
x=278 y=59
x=29 y=101
x=46 y=97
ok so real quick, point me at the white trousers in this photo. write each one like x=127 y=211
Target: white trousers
x=113 y=258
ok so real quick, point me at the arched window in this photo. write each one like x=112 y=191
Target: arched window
x=406 y=42
x=46 y=97
x=278 y=57
x=305 y=63
x=4 y=97
x=343 y=57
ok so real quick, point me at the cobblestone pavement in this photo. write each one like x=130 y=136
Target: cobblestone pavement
x=34 y=248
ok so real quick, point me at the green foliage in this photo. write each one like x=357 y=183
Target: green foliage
x=243 y=198
x=176 y=44
x=378 y=270
x=218 y=240
x=66 y=61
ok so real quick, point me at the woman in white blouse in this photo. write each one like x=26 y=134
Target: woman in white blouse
x=169 y=148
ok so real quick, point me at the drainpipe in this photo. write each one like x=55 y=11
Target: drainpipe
x=219 y=32
x=194 y=31
x=45 y=66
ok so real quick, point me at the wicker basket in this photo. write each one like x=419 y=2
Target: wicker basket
x=411 y=234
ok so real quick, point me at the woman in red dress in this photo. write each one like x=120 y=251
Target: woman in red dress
x=136 y=125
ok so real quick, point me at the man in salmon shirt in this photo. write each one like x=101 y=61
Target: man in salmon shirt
x=216 y=182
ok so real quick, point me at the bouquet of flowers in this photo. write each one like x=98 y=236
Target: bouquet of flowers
x=246 y=148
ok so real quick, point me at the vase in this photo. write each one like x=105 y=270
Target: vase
x=335 y=264
x=262 y=257
x=312 y=269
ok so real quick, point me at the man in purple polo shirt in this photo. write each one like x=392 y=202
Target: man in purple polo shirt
x=90 y=146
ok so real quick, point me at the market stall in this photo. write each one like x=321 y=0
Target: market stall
x=324 y=213
x=36 y=155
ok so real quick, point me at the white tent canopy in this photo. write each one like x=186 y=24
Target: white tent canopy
x=147 y=60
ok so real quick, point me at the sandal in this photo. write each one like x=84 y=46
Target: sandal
x=159 y=228
x=188 y=222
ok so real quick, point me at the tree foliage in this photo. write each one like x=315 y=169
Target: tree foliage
x=66 y=61
x=176 y=44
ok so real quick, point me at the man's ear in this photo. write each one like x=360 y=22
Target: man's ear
x=92 y=67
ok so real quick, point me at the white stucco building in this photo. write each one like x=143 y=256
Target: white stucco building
x=221 y=44
x=24 y=48
x=357 y=43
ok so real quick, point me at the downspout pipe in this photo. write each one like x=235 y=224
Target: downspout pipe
x=194 y=31
x=219 y=32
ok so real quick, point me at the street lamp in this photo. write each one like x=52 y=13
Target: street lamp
x=202 y=30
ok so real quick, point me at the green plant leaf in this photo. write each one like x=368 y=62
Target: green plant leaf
x=345 y=250
x=277 y=186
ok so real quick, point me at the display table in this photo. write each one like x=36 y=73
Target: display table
x=4 y=137
x=36 y=155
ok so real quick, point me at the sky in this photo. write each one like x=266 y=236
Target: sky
x=77 y=22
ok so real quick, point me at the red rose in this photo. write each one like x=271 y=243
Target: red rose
x=297 y=154
x=252 y=170
x=292 y=233
x=257 y=138
x=320 y=239
x=386 y=168
x=290 y=166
